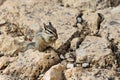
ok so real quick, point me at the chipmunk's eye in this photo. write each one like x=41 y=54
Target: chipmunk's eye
x=50 y=32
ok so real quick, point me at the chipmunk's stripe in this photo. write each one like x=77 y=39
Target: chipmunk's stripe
x=52 y=32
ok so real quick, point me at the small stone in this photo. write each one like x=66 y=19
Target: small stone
x=78 y=65
x=74 y=43
x=64 y=62
x=67 y=55
x=2 y=22
x=85 y=65
x=1 y=54
x=70 y=65
x=79 y=20
x=40 y=76
x=54 y=73
x=70 y=59
x=62 y=57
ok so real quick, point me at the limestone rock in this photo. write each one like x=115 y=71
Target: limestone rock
x=110 y=28
x=74 y=44
x=94 y=21
x=85 y=65
x=93 y=50
x=62 y=57
x=70 y=57
x=30 y=64
x=82 y=4
x=70 y=65
x=93 y=59
x=93 y=74
x=4 y=61
x=6 y=77
x=2 y=1
x=8 y=44
x=90 y=4
x=64 y=62
x=54 y=73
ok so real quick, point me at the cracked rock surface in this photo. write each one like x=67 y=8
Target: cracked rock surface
x=87 y=48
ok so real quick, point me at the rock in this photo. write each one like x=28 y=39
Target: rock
x=6 y=77
x=85 y=65
x=94 y=74
x=82 y=4
x=78 y=65
x=5 y=61
x=54 y=73
x=74 y=44
x=20 y=20
x=1 y=54
x=70 y=59
x=93 y=50
x=64 y=62
x=2 y=22
x=8 y=45
x=30 y=64
x=62 y=57
x=90 y=4
x=110 y=28
x=94 y=21
x=67 y=55
x=40 y=76
x=70 y=65
x=107 y=3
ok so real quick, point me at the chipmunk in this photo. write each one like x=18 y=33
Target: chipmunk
x=42 y=39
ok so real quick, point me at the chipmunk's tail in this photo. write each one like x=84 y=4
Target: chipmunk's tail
x=23 y=48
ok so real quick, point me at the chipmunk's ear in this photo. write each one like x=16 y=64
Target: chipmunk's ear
x=45 y=26
x=50 y=24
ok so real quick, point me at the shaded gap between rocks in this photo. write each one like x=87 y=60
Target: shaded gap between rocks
x=114 y=48
x=99 y=21
x=81 y=34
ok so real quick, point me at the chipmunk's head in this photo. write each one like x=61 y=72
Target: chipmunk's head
x=50 y=33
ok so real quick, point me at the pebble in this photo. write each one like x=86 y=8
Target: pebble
x=70 y=65
x=85 y=65
x=70 y=59
x=62 y=57
x=2 y=22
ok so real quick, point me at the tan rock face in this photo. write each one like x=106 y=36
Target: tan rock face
x=86 y=74
x=7 y=45
x=92 y=50
x=88 y=51
x=73 y=45
x=54 y=73
x=81 y=4
x=6 y=77
x=30 y=64
x=93 y=20
x=90 y=4
x=4 y=61
x=111 y=26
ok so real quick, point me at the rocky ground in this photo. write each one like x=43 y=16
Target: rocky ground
x=88 y=50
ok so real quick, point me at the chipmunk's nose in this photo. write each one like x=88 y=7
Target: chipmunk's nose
x=54 y=38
